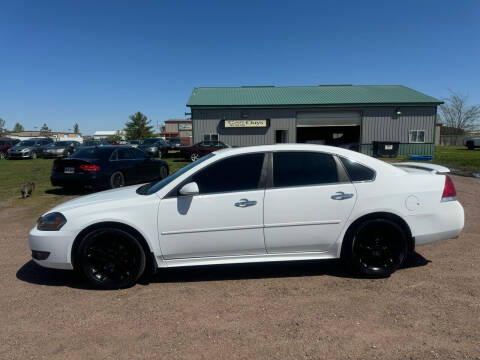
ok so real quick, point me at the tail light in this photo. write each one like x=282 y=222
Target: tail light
x=449 y=192
x=90 y=167
x=55 y=166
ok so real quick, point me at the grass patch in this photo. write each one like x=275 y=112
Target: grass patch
x=15 y=173
x=457 y=157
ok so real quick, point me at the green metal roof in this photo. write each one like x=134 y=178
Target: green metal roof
x=323 y=95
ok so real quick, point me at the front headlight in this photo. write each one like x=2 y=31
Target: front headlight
x=51 y=222
x=25 y=150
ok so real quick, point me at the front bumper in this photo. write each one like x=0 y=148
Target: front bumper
x=23 y=155
x=57 y=243
x=52 y=155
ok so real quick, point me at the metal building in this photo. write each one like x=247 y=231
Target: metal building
x=351 y=116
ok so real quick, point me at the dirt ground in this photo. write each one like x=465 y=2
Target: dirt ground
x=429 y=310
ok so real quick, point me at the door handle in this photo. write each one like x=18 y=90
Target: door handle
x=245 y=202
x=341 y=196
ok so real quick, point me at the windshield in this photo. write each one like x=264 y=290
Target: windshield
x=150 y=141
x=59 y=144
x=26 y=143
x=149 y=189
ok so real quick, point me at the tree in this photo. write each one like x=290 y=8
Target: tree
x=117 y=137
x=138 y=127
x=18 y=128
x=2 y=126
x=45 y=131
x=76 y=130
x=457 y=114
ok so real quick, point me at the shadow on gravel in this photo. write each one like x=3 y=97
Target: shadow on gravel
x=32 y=273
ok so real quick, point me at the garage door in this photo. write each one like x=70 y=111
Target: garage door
x=316 y=119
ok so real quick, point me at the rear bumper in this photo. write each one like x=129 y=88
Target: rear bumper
x=446 y=223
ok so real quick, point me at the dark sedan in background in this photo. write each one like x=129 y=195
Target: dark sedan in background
x=154 y=147
x=107 y=166
x=60 y=149
x=196 y=151
x=28 y=149
x=175 y=143
x=5 y=144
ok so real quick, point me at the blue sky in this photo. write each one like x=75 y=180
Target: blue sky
x=96 y=62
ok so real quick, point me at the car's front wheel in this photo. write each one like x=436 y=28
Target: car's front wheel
x=117 y=180
x=376 y=248
x=110 y=259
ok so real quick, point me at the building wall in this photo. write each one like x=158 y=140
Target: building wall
x=209 y=122
x=378 y=124
x=172 y=127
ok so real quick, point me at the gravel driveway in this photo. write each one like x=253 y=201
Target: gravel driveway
x=429 y=310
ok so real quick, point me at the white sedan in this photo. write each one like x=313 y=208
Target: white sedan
x=254 y=204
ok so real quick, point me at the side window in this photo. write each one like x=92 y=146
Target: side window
x=356 y=171
x=125 y=154
x=299 y=168
x=138 y=154
x=236 y=173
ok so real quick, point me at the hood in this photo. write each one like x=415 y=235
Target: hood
x=121 y=194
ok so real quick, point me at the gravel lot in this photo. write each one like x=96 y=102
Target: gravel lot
x=429 y=310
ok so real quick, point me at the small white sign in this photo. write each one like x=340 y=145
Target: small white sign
x=388 y=147
x=245 y=123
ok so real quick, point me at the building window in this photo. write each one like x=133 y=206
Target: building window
x=416 y=136
x=209 y=137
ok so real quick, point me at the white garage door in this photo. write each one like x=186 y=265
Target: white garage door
x=316 y=119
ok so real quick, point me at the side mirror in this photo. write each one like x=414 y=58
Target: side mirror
x=189 y=189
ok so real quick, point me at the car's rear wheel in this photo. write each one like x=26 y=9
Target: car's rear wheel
x=470 y=145
x=163 y=172
x=194 y=157
x=110 y=259
x=376 y=248
x=117 y=180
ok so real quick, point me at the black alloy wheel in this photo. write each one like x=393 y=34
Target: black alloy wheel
x=117 y=180
x=378 y=248
x=111 y=259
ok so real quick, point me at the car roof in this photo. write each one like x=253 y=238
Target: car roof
x=349 y=154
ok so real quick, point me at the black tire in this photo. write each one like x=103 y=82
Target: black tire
x=110 y=258
x=117 y=180
x=375 y=248
x=470 y=145
x=163 y=172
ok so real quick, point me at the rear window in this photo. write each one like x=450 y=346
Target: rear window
x=92 y=153
x=356 y=171
x=298 y=168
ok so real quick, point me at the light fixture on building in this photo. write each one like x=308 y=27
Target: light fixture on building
x=398 y=112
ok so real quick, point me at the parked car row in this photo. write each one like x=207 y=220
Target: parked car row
x=153 y=147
